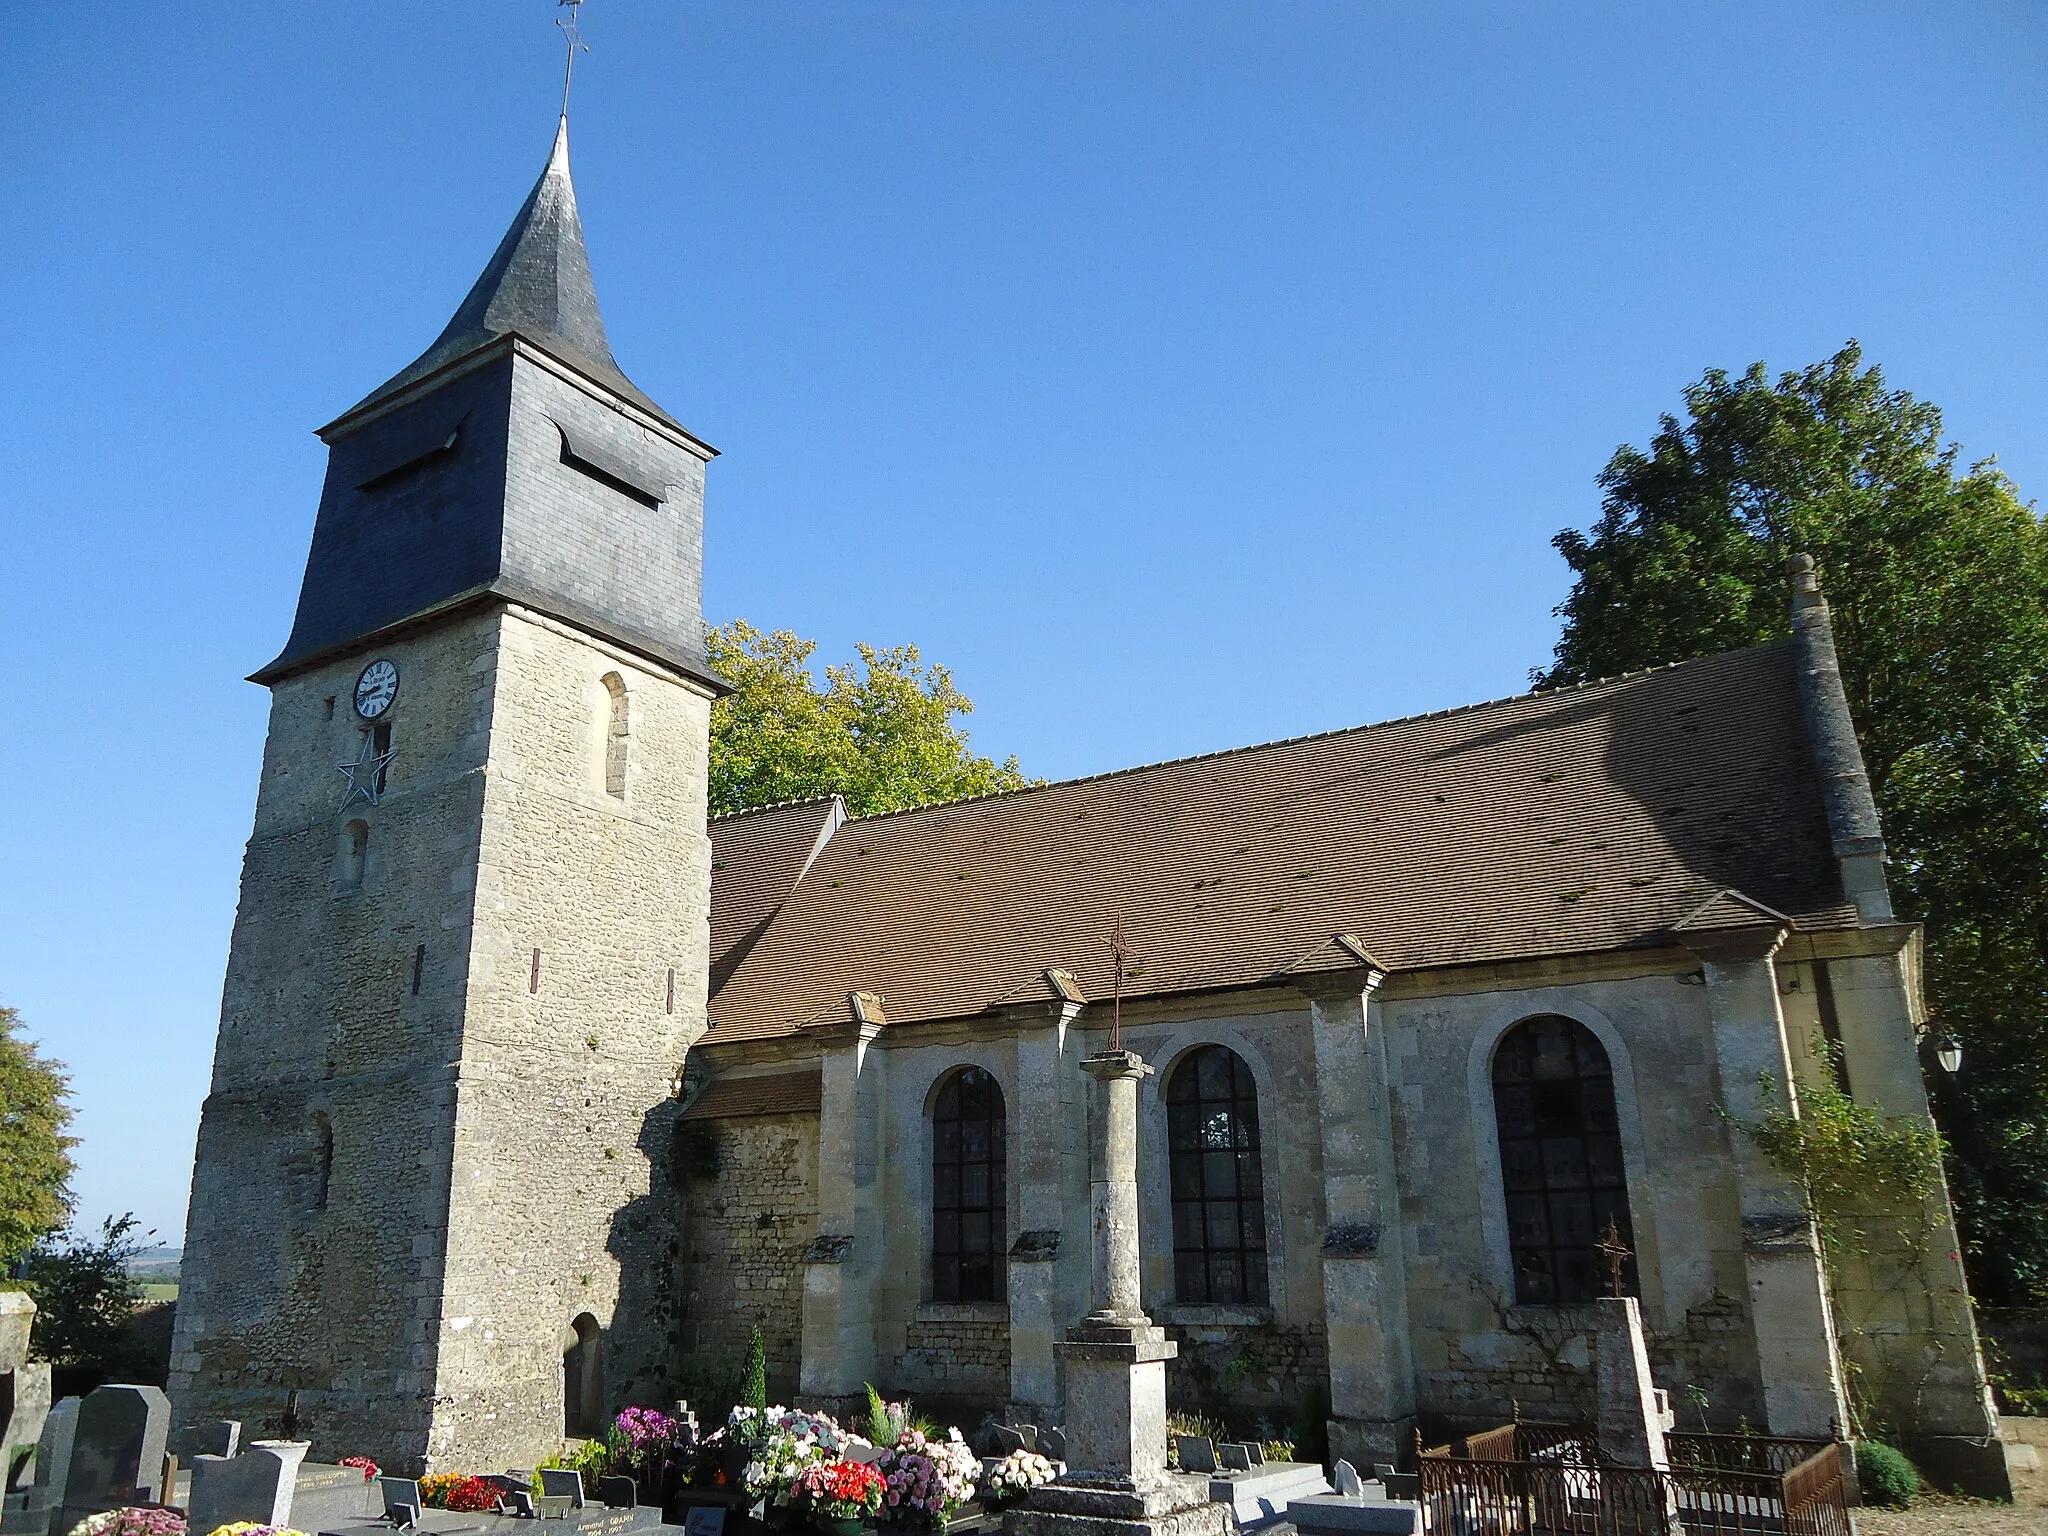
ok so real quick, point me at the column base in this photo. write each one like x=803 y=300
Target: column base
x=1083 y=1505
x=1116 y=1402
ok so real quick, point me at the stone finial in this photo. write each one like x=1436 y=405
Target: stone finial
x=1805 y=580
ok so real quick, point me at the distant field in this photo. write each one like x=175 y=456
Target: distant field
x=159 y=1290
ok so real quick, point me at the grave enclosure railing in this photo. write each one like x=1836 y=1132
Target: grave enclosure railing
x=1531 y=1479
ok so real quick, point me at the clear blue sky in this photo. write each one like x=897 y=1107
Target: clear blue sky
x=1181 y=374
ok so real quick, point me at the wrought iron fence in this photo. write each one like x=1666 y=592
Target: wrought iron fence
x=1536 y=1479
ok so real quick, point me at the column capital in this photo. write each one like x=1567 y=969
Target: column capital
x=1115 y=1066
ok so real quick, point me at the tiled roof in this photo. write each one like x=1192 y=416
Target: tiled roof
x=757 y=858
x=1581 y=819
x=779 y=1093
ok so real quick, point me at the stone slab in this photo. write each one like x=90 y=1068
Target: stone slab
x=326 y=1492
x=256 y=1486
x=1265 y=1494
x=1331 y=1514
x=17 y=1313
x=1200 y=1519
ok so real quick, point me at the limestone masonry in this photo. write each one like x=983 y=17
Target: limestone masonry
x=535 y=1093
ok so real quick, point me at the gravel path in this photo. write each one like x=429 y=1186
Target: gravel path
x=1953 y=1517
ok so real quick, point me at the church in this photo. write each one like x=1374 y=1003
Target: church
x=536 y=1092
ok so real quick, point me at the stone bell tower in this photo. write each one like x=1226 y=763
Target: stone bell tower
x=470 y=952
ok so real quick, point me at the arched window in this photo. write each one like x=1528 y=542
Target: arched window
x=1560 y=1159
x=583 y=1415
x=321 y=1132
x=616 y=737
x=969 y=1229
x=355 y=852
x=1219 y=1210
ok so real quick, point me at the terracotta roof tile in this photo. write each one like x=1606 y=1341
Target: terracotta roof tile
x=779 y=1093
x=757 y=857
x=1574 y=820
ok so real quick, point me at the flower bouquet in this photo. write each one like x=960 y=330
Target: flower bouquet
x=927 y=1479
x=1015 y=1475
x=131 y=1522
x=364 y=1465
x=252 y=1528
x=458 y=1491
x=839 y=1494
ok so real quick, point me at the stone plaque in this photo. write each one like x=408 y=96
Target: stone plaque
x=325 y=1494
x=402 y=1504
x=1256 y=1452
x=1233 y=1457
x=562 y=1483
x=1052 y=1444
x=618 y=1492
x=1007 y=1437
x=704 y=1520
x=1197 y=1453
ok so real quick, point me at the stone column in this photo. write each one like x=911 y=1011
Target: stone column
x=842 y=1261
x=1040 y=1140
x=1788 y=1294
x=1115 y=1358
x=1365 y=1294
x=1631 y=1427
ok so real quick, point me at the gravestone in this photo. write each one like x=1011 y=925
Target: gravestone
x=562 y=1483
x=216 y=1437
x=325 y=1493
x=618 y=1493
x=117 y=1452
x=1256 y=1452
x=1348 y=1482
x=1007 y=1438
x=1030 y=1434
x=1233 y=1457
x=24 y=1391
x=402 y=1502
x=27 y=1512
x=256 y=1486
x=1197 y=1453
x=1052 y=1444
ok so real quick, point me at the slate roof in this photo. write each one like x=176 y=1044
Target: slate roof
x=537 y=286
x=1574 y=820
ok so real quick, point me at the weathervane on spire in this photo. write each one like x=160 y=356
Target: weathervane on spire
x=574 y=39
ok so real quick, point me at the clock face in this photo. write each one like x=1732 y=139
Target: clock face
x=376 y=688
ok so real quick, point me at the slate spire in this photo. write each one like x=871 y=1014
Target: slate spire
x=537 y=286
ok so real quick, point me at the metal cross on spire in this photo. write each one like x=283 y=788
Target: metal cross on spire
x=1119 y=952
x=574 y=39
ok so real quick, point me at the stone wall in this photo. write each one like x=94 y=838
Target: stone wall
x=749 y=1199
x=1263 y=1366
x=958 y=1352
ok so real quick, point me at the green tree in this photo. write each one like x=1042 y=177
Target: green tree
x=85 y=1300
x=1938 y=577
x=882 y=732
x=35 y=1154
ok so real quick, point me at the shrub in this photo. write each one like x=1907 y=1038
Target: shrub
x=754 y=1384
x=1885 y=1475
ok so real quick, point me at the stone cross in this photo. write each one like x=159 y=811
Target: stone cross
x=1631 y=1422
x=1115 y=1359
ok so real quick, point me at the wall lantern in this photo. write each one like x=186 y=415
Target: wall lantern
x=1949 y=1052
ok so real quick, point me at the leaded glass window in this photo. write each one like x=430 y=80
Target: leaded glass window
x=969 y=1227
x=1219 y=1210
x=1560 y=1160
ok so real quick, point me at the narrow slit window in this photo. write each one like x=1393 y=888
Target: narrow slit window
x=617 y=736
x=321 y=1130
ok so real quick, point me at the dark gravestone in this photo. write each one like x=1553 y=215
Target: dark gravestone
x=1030 y=1434
x=562 y=1483
x=1256 y=1451
x=1007 y=1438
x=1052 y=1444
x=256 y=1486
x=402 y=1502
x=1197 y=1453
x=117 y=1452
x=1234 y=1457
x=516 y=1502
x=218 y=1437
x=618 y=1493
